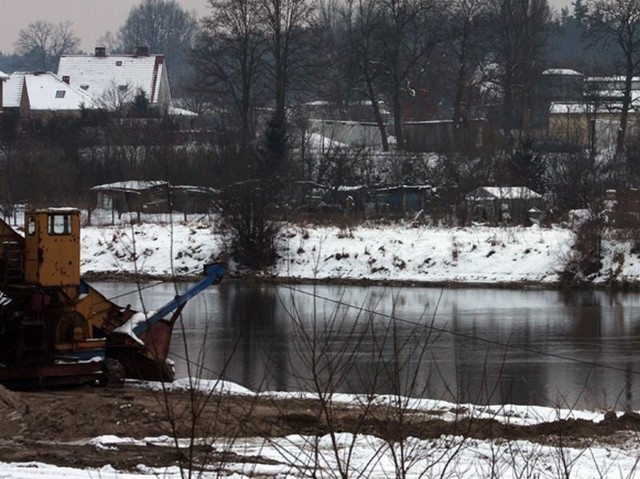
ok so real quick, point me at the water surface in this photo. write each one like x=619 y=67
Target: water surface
x=572 y=349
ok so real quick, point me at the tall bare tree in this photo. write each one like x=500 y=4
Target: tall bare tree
x=43 y=43
x=229 y=58
x=285 y=23
x=163 y=26
x=410 y=32
x=468 y=46
x=617 y=22
x=517 y=30
x=363 y=19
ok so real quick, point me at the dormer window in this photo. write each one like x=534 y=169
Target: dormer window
x=60 y=93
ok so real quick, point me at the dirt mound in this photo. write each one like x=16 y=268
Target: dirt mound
x=12 y=410
x=12 y=399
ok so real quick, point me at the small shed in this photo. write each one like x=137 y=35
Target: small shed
x=502 y=204
x=139 y=196
x=404 y=199
x=193 y=199
x=351 y=198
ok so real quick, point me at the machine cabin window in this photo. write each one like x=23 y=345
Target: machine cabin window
x=59 y=224
x=31 y=226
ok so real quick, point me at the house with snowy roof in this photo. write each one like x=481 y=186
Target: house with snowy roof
x=42 y=93
x=107 y=77
x=593 y=118
x=3 y=77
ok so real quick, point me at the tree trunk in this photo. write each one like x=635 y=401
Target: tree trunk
x=376 y=114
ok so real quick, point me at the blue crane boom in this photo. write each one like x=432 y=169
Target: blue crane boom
x=213 y=274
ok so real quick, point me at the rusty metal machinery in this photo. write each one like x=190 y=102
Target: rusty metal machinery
x=55 y=328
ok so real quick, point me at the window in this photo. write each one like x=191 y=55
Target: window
x=84 y=87
x=59 y=224
x=119 y=63
x=123 y=87
x=31 y=226
x=60 y=93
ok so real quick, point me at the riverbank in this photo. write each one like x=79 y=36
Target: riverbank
x=372 y=253
x=366 y=254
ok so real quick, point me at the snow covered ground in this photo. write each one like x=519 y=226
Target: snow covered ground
x=368 y=456
x=395 y=252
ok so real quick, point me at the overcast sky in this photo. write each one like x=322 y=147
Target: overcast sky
x=91 y=18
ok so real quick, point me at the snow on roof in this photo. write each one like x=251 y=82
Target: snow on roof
x=98 y=74
x=3 y=76
x=175 y=111
x=316 y=140
x=503 y=192
x=574 y=107
x=131 y=186
x=45 y=91
x=612 y=78
x=205 y=190
x=562 y=71
x=604 y=105
x=12 y=91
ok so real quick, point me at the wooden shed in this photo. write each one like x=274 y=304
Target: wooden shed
x=502 y=204
x=193 y=199
x=136 y=196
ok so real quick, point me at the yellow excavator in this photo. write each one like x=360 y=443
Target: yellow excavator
x=57 y=329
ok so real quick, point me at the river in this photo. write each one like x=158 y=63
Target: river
x=574 y=349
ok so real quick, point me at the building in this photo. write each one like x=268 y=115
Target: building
x=3 y=77
x=38 y=94
x=593 y=120
x=133 y=196
x=113 y=79
x=503 y=205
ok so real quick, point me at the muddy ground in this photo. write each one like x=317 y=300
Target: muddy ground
x=54 y=426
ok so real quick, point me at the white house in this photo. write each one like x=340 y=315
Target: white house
x=39 y=93
x=105 y=77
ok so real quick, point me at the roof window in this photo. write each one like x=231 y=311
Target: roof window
x=119 y=63
x=60 y=93
x=84 y=87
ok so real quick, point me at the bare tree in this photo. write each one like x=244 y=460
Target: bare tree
x=335 y=71
x=517 y=30
x=410 y=32
x=363 y=19
x=467 y=45
x=163 y=26
x=229 y=59
x=285 y=22
x=43 y=43
x=116 y=98
x=617 y=22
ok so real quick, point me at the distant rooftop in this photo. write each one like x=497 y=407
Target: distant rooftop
x=562 y=71
x=45 y=91
x=99 y=73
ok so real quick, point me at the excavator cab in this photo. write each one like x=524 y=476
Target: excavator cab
x=52 y=248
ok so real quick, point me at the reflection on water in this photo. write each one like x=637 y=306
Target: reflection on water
x=567 y=348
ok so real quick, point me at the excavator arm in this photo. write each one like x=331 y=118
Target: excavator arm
x=213 y=274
